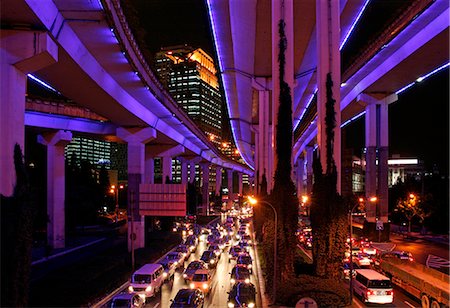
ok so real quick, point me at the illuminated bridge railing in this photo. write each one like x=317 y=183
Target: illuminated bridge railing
x=62 y=108
x=415 y=9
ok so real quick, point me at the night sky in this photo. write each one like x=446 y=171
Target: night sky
x=418 y=121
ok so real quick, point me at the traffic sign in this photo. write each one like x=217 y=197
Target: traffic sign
x=379 y=226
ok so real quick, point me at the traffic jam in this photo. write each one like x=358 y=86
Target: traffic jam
x=213 y=266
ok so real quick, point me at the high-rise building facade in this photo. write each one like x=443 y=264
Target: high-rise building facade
x=190 y=76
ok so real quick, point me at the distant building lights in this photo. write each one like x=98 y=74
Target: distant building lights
x=43 y=83
x=407 y=161
x=422 y=78
x=354 y=24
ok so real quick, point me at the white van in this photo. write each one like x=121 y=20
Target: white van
x=147 y=280
x=373 y=287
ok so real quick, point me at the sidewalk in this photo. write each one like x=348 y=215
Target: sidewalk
x=430 y=237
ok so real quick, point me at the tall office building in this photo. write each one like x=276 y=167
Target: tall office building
x=190 y=76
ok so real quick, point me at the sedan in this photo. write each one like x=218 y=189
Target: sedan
x=184 y=249
x=176 y=258
x=210 y=258
x=245 y=260
x=240 y=274
x=188 y=298
x=242 y=295
x=234 y=252
x=127 y=300
x=192 y=268
x=201 y=280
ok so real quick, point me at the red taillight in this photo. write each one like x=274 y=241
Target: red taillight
x=370 y=292
x=389 y=292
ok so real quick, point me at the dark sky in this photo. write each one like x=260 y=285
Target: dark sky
x=418 y=121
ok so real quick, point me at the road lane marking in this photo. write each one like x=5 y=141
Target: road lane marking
x=409 y=304
x=437 y=262
x=156 y=306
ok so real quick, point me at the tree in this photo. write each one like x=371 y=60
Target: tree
x=283 y=196
x=17 y=213
x=413 y=206
x=328 y=211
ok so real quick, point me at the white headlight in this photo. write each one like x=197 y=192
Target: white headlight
x=164 y=274
x=184 y=276
x=251 y=305
x=175 y=263
x=247 y=280
x=230 y=305
x=211 y=261
x=249 y=266
x=205 y=286
x=192 y=285
x=232 y=280
x=130 y=288
x=148 y=289
x=217 y=253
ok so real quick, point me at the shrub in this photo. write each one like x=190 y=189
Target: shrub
x=326 y=292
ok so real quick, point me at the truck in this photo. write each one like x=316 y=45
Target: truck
x=428 y=285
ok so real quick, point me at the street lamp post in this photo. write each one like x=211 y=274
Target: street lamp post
x=350 y=215
x=274 y=285
x=115 y=190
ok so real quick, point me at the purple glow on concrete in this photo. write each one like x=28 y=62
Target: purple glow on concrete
x=422 y=78
x=353 y=119
x=218 y=49
x=43 y=83
x=306 y=107
x=100 y=4
x=354 y=24
x=406 y=46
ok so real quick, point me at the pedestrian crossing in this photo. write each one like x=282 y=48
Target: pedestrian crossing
x=437 y=262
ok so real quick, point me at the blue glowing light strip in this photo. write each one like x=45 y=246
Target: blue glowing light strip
x=216 y=44
x=43 y=83
x=422 y=78
x=306 y=107
x=353 y=119
x=354 y=24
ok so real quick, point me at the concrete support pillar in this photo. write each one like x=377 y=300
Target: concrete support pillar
x=136 y=139
x=299 y=177
x=205 y=190
x=240 y=183
x=184 y=171
x=281 y=9
x=218 y=180
x=264 y=150
x=149 y=172
x=328 y=61
x=230 y=188
x=22 y=52
x=377 y=149
x=166 y=168
x=55 y=143
x=309 y=169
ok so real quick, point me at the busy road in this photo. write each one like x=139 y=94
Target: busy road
x=231 y=232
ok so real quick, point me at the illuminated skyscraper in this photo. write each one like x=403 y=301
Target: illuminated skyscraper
x=190 y=76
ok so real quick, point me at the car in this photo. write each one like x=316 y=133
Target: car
x=184 y=249
x=234 y=252
x=210 y=258
x=244 y=260
x=201 y=280
x=147 y=280
x=211 y=238
x=245 y=245
x=403 y=255
x=247 y=238
x=127 y=300
x=369 y=250
x=220 y=242
x=217 y=250
x=346 y=269
x=240 y=274
x=192 y=298
x=362 y=259
x=192 y=242
x=176 y=258
x=192 y=267
x=242 y=295
x=169 y=269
